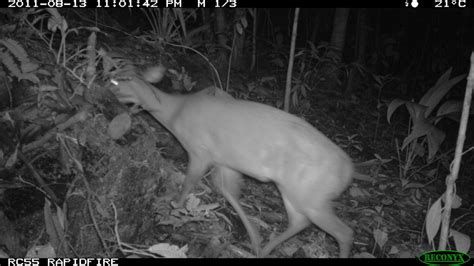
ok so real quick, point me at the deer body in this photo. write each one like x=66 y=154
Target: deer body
x=243 y=137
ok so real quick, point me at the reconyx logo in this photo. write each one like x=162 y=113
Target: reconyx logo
x=438 y=257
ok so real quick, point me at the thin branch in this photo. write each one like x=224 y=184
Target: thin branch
x=451 y=178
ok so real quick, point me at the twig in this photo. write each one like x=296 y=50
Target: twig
x=203 y=56
x=120 y=243
x=91 y=213
x=48 y=192
x=451 y=178
x=400 y=167
x=289 y=72
x=79 y=117
x=230 y=60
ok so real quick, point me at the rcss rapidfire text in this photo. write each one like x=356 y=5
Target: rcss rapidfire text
x=63 y=262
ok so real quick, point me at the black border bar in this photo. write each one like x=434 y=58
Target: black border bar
x=204 y=262
x=405 y=4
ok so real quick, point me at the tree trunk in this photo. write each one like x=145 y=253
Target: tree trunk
x=378 y=39
x=221 y=40
x=254 y=40
x=238 y=55
x=361 y=42
x=206 y=14
x=337 y=44
x=314 y=32
x=338 y=36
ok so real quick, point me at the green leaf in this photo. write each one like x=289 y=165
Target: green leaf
x=422 y=127
x=10 y=64
x=119 y=126
x=444 y=77
x=433 y=220
x=432 y=98
x=17 y=50
x=451 y=110
x=243 y=20
x=394 y=106
x=252 y=12
x=462 y=241
x=449 y=107
x=179 y=13
x=435 y=138
x=29 y=76
x=239 y=28
x=380 y=237
x=168 y=251
x=417 y=112
x=27 y=67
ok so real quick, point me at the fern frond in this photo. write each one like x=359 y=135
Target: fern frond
x=19 y=52
x=16 y=49
x=10 y=64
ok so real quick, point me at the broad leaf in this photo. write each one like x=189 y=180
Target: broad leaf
x=433 y=220
x=432 y=98
x=394 y=106
x=462 y=241
x=449 y=107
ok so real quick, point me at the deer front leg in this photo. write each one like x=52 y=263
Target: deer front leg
x=196 y=170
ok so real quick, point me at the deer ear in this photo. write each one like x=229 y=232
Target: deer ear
x=154 y=74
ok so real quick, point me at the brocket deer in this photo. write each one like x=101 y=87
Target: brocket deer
x=243 y=137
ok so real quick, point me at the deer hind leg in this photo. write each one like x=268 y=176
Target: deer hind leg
x=229 y=183
x=296 y=222
x=324 y=217
x=311 y=201
x=318 y=207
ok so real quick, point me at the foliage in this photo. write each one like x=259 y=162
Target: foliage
x=423 y=133
x=433 y=224
x=169 y=24
x=17 y=61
